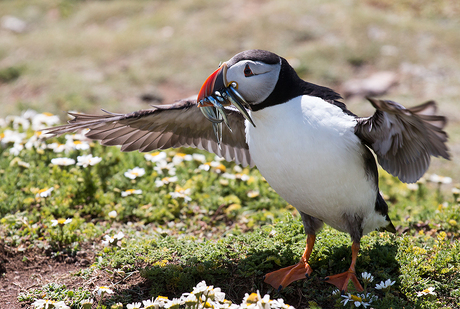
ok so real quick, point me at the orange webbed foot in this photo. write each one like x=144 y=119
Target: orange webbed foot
x=341 y=281
x=281 y=278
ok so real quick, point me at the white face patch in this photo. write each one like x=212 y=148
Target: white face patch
x=257 y=87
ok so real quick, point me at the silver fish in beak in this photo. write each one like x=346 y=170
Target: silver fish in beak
x=216 y=93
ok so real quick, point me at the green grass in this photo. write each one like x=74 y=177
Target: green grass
x=231 y=233
x=86 y=55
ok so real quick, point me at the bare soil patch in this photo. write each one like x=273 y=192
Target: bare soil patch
x=23 y=271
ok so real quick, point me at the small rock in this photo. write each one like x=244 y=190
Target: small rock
x=377 y=84
x=13 y=24
x=70 y=260
x=84 y=262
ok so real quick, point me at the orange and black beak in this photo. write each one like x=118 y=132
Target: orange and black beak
x=216 y=93
x=216 y=81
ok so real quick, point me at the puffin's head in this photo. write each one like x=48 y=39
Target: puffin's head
x=246 y=80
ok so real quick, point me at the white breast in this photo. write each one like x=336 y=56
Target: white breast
x=308 y=152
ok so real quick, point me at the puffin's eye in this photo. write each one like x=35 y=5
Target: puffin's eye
x=248 y=71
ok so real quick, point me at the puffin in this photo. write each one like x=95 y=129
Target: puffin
x=315 y=153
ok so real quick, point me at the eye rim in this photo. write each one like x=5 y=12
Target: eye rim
x=247 y=71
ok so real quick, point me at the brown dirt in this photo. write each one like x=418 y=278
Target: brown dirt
x=31 y=269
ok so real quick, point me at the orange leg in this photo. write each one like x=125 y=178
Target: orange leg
x=341 y=280
x=283 y=277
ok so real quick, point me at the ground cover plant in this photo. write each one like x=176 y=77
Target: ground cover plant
x=179 y=217
x=73 y=230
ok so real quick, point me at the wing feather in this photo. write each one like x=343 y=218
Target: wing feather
x=404 y=138
x=162 y=127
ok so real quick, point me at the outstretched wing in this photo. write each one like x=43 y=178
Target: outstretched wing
x=404 y=139
x=167 y=126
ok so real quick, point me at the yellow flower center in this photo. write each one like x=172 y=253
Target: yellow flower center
x=426 y=291
x=77 y=142
x=43 y=190
x=182 y=155
x=47 y=114
x=253 y=298
x=221 y=167
x=356 y=298
x=130 y=190
x=156 y=153
x=61 y=221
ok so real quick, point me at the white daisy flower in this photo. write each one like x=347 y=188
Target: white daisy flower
x=181 y=193
x=102 y=290
x=216 y=294
x=16 y=149
x=179 y=157
x=412 y=186
x=440 y=179
x=165 y=181
x=199 y=157
x=229 y=176
x=218 y=167
x=188 y=299
x=149 y=304
x=78 y=145
x=161 y=301
x=155 y=156
x=355 y=299
x=45 y=192
x=428 y=291
x=19 y=121
x=163 y=167
x=205 y=167
x=44 y=120
x=57 y=147
x=9 y=136
x=112 y=239
x=134 y=306
x=384 y=285
x=63 y=161
x=113 y=214
x=61 y=221
x=130 y=192
x=46 y=303
x=175 y=302
x=87 y=160
x=35 y=141
x=367 y=277
x=200 y=288
x=242 y=177
x=135 y=172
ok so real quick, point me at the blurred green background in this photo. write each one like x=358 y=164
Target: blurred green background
x=60 y=55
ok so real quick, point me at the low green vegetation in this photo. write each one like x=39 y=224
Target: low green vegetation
x=182 y=216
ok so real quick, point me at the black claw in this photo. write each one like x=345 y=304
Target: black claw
x=324 y=279
x=307 y=275
x=264 y=276
x=280 y=288
x=342 y=292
